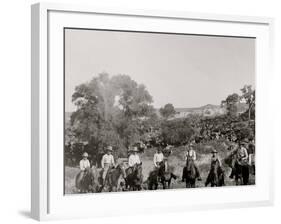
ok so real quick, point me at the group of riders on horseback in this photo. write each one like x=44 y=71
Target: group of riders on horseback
x=239 y=159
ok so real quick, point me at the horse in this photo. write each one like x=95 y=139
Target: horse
x=152 y=180
x=241 y=173
x=189 y=173
x=134 y=177
x=165 y=175
x=88 y=181
x=216 y=175
x=240 y=170
x=111 y=182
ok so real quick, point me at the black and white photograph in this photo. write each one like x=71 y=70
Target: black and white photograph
x=154 y=111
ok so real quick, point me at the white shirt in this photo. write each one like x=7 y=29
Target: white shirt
x=158 y=157
x=191 y=153
x=84 y=163
x=107 y=159
x=133 y=159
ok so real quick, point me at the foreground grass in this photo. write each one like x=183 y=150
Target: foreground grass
x=176 y=161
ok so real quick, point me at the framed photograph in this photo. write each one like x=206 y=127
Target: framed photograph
x=138 y=111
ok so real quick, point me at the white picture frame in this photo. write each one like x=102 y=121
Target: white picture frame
x=47 y=198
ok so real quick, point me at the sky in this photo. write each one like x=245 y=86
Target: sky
x=185 y=70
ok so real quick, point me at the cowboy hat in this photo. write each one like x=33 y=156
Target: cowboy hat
x=191 y=144
x=243 y=142
x=214 y=151
x=109 y=148
x=85 y=154
x=134 y=149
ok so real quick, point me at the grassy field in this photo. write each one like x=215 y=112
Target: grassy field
x=176 y=161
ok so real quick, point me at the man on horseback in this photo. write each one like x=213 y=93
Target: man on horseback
x=84 y=166
x=242 y=154
x=191 y=156
x=107 y=162
x=158 y=158
x=216 y=169
x=84 y=162
x=134 y=157
x=240 y=161
x=133 y=160
x=134 y=172
x=251 y=152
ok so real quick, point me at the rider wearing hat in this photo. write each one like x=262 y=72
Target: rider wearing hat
x=240 y=156
x=242 y=153
x=215 y=157
x=84 y=165
x=107 y=162
x=191 y=154
x=214 y=160
x=158 y=158
x=134 y=157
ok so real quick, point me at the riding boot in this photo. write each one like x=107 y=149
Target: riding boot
x=198 y=174
x=183 y=174
x=232 y=173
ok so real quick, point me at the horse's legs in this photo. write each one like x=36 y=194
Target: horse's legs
x=193 y=183
x=187 y=183
x=164 y=184
x=169 y=183
x=245 y=174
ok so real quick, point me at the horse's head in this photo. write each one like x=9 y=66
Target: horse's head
x=162 y=166
x=138 y=171
x=89 y=181
x=189 y=162
x=121 y=169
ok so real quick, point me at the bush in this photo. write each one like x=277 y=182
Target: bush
x=176 y=132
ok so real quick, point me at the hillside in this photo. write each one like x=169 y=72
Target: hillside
x=206 y=110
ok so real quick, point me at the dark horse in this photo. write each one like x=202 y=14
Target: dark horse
x=216 y=175
x=88 y=182
x=240 y=170
x=165 y=175
x=162 y=174
x=112 y=178
x=241 y=173
x=134 y=178
x=189 y=173
x=152 y=180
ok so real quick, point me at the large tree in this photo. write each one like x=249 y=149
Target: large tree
x=231 y=104
x=248 y=95
x=109 y=112
x=167 y=111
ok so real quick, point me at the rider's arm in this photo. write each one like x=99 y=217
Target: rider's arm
x=154 y=160
x=88 y=164
x=246 y=153
x=112 y=158
x=138 y=160
x=250 y=159
x=219 y=161
x=194 y=156
x=185 y=156
x=130 y=162
x=81 y=165
x=102 y=162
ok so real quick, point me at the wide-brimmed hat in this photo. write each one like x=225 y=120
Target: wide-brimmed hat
x=214 y=151
x=134 y=149
x=243 y=142
x=159 y=148
x=191 y=145
x=109 y=148
x=85 y=154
